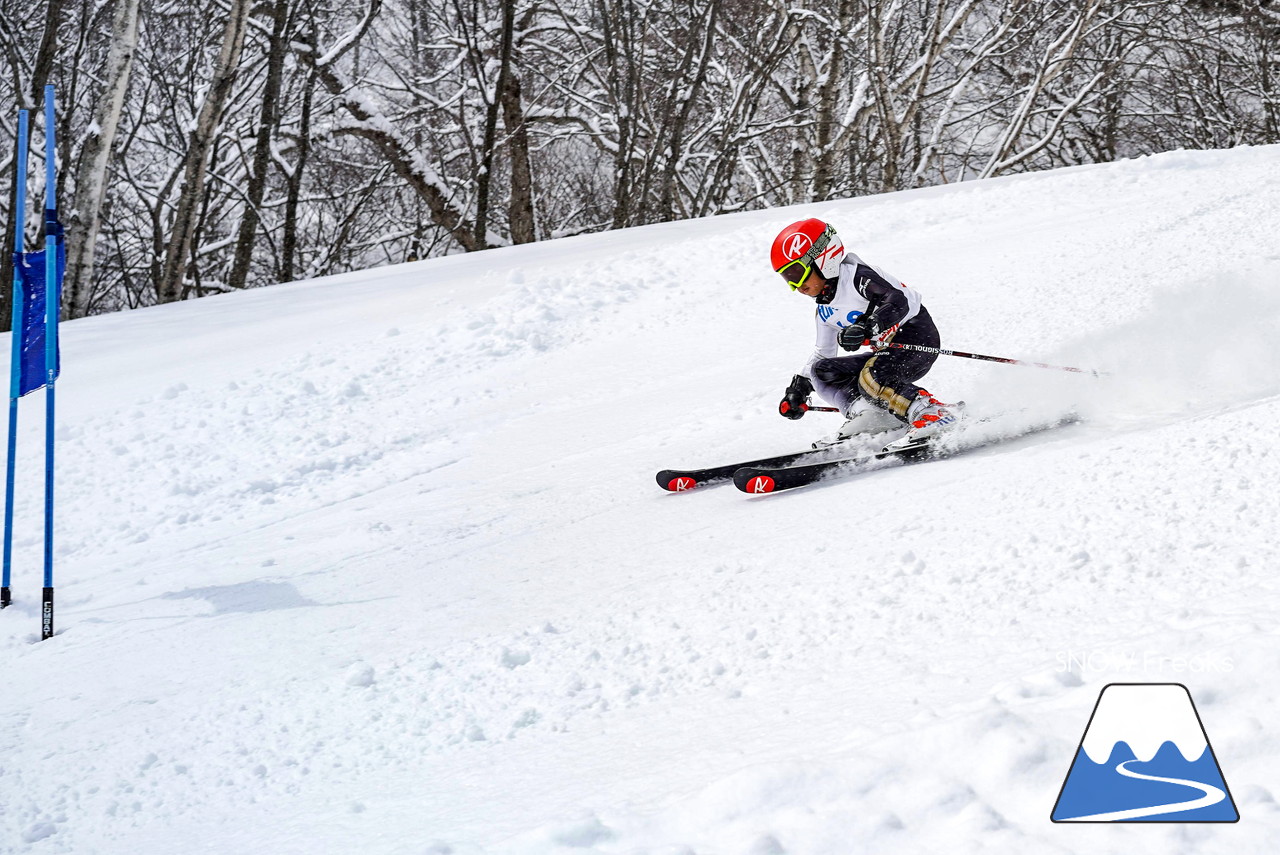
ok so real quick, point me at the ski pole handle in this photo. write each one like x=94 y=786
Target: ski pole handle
x=807 y=408
x=943 y=352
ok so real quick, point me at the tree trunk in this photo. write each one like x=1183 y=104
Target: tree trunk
x=289 y=238
x=484 y=179
x=47 y=54
x=618 y=25
x=95 y=160
x=196 y=163
x=828 y=98
x=520 y=206
x=247 y=236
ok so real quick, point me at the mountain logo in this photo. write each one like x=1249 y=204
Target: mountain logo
x=1145 y=757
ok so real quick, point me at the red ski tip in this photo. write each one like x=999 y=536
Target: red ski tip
x=680 y=485
x=760 y=484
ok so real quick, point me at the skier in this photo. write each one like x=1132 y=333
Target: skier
x=860 y=305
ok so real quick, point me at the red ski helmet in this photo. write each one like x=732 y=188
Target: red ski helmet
x=803 y=246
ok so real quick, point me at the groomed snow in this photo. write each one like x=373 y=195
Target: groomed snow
x=377 y=564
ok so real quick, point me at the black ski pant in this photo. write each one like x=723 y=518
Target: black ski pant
x=886 y=378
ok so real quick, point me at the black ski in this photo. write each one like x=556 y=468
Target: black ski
x=767 y=478
x=680 y=480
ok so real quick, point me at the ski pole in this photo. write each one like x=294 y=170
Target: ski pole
x=810 y=408
x=943 y=352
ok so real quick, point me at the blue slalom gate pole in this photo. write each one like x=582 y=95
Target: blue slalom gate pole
x=52 y=309
x=15 y=364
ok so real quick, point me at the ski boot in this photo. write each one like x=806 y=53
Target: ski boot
x=861 y=419
x=928 y=417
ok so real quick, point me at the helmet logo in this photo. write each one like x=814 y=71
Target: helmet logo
x=796 y=246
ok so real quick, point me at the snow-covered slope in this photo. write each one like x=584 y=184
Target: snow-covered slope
x=376 y=563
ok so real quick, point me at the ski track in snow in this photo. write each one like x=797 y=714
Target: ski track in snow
x=376 y=563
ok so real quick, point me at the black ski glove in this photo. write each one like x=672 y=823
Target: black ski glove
x=852 y=337
x=795 y=401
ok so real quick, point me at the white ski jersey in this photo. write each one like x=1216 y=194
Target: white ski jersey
x=861 y=286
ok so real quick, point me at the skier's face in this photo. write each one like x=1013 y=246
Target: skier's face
x=813 y=284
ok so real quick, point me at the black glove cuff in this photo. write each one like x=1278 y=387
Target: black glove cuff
x=800 y=385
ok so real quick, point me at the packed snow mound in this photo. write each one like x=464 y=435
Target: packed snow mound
x=376 y=563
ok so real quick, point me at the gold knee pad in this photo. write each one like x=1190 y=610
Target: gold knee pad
x=888 y=398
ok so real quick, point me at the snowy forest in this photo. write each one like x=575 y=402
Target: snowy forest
x=212 y=145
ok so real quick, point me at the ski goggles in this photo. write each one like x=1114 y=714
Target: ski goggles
x=796 y=273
